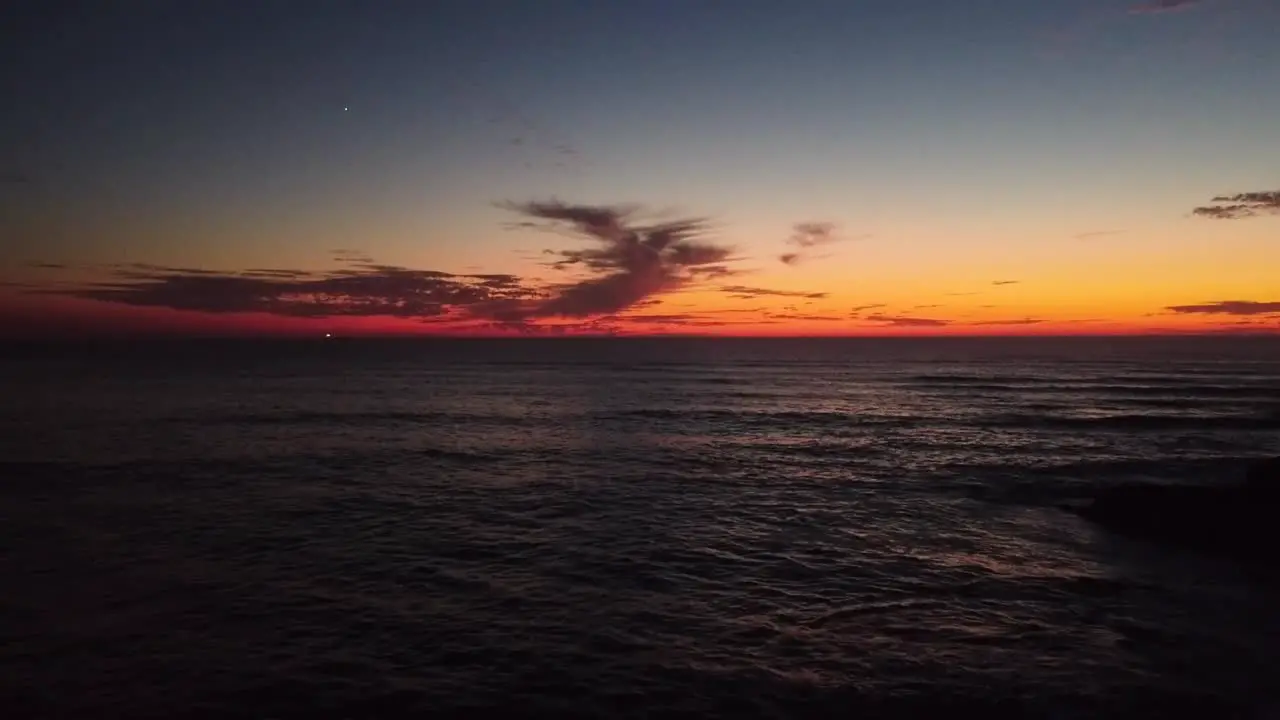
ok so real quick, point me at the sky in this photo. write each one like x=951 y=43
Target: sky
x=508 y=167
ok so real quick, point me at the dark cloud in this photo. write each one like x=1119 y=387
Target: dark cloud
x=1242 y=205
x=659 y=319
x=365 y=290
x=1163 y=6
x=630 y=262
x=1005 y=282
x=274 y=273
x=960 y=294
x=900 y=321
x=860 y=308
x=1018 y=321
x=744 y=292
x=728 y=323
x=1227 y=307
x=626 y=266
x=923 y=307
x=48 y=265
x=141 y=271
x=789 y=258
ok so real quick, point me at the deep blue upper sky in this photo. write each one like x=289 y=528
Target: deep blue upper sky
x=275 y=128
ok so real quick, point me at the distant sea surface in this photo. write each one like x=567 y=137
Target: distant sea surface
x=623 y=528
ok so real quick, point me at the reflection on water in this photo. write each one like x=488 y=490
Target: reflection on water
x=401 y=531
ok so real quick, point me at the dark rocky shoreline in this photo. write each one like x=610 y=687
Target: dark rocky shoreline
x=1233 y=520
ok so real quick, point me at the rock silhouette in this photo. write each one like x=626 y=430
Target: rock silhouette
x=1234 y=520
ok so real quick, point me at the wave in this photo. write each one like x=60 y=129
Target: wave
x=1134 y=422
x=785 y=418
x=1166 y=467
x=1261 y=390
x=1266 y=418
x=820 y=450
x=324 y=417
x=950 y=379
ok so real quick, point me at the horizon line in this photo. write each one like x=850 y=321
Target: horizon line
x=320 y=338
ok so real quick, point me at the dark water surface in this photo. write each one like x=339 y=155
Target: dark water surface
x=638 y=528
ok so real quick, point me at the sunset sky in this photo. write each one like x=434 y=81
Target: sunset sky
x=846 y=167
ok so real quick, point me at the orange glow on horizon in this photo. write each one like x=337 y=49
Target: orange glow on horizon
x=861 y=290
x=65 y=317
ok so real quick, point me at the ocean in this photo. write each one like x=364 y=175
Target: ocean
x=624 y=528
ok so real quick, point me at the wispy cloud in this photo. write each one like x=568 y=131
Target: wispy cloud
x=142 y=271
x=276 y=273
x=808 y=235
x=1097 y=234
x=903 y=321
x=1227 y=307
x=687 y=319
x=747 y=293
x=1017 y=321
x=358 y=290
x=1005 y=282
x=804 y=317
x=813 y=234
x=1241 y=205
x=1164 y=6
x=657 y=318
x=726 y=323
x=344 y=255
x=863 y=308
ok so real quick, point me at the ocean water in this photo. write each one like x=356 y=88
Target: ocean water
x=623 y=528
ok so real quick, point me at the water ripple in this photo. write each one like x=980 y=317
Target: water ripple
x=732 y=539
